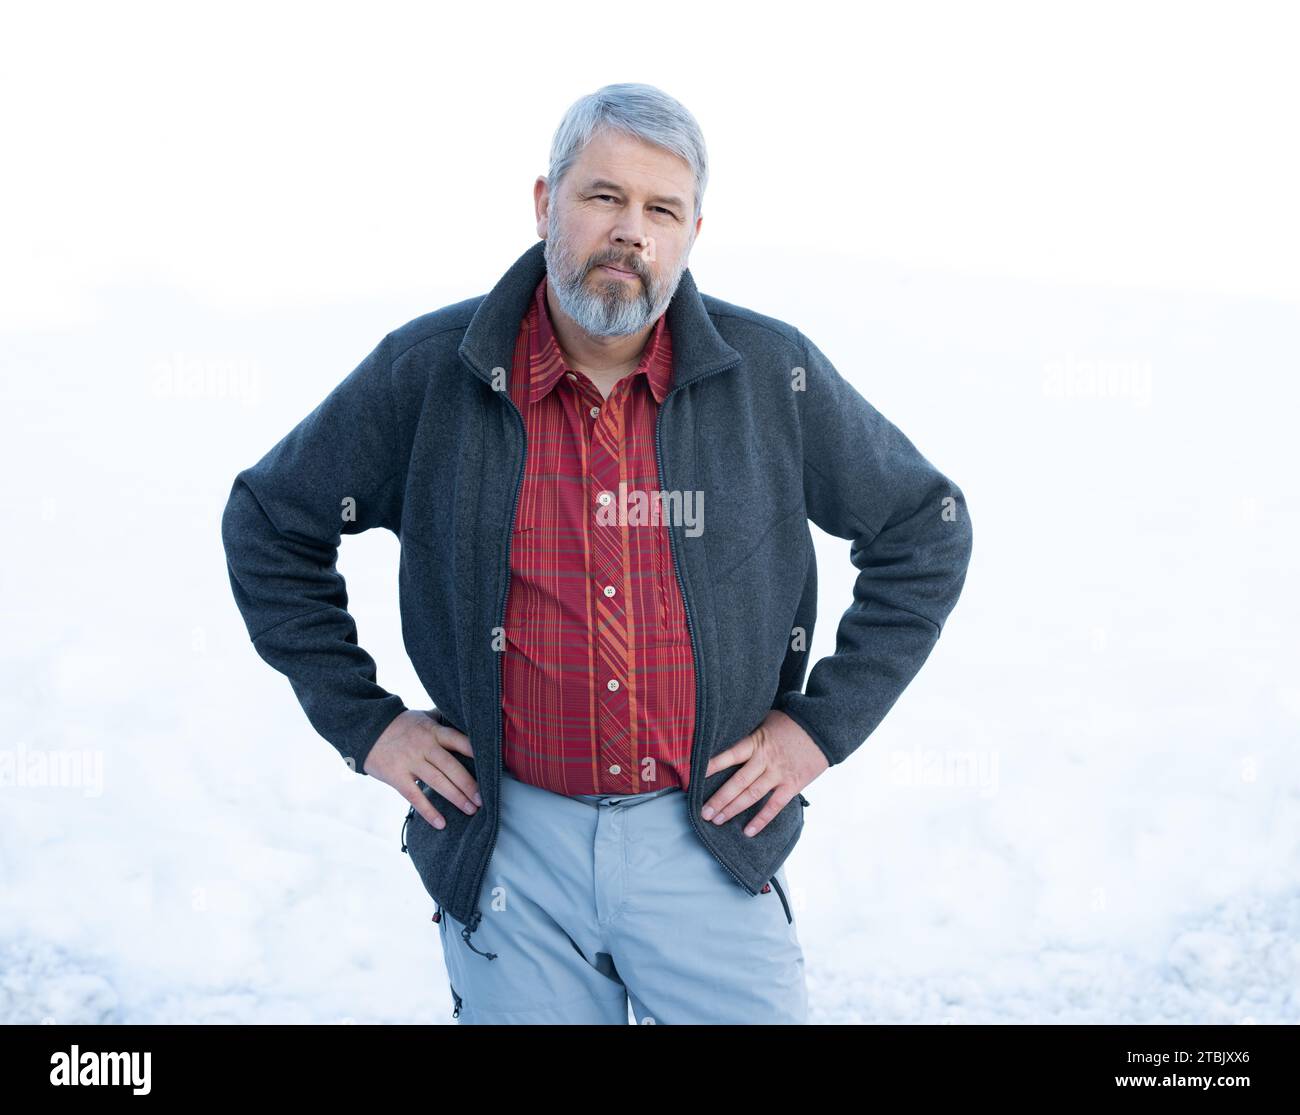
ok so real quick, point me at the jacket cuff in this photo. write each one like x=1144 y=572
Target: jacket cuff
x=366 y=724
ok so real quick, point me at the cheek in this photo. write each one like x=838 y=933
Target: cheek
x=664 y=254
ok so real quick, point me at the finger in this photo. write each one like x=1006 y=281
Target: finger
x=453 y=740
x=738 y=752
x=440 y=758
x=779 y=800
x=735 y=794
x=447 y=781
x=424 y=807
x=443 y=738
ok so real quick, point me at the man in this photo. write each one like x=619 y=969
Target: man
x=602 y=481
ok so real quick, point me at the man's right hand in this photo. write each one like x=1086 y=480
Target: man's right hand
x=415 y=745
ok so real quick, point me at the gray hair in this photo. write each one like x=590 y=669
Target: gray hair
x=641 y=111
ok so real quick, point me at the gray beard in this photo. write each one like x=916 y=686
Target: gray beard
x=608 y=310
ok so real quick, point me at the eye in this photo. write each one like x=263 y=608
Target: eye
x=611 y=197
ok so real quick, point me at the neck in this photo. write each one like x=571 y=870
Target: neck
x=604 y=360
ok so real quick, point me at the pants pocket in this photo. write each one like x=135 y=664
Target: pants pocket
x=785 y=902
x=456 y=1001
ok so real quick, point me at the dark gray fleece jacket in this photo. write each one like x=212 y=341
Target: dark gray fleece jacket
x=423 y=439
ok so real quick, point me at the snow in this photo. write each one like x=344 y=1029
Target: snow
x=1084 y=809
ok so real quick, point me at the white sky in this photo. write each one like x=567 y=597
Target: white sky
x=266 y=155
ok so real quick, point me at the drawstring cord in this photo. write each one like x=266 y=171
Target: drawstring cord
x=465 y=933
x=473 y=925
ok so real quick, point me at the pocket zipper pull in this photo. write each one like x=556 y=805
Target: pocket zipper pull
x=409 y=814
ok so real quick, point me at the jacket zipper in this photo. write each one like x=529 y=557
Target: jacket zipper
x=690 y=627
x=519 y=484
x=501 y=666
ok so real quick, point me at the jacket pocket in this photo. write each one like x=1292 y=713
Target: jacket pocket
x=435 y=852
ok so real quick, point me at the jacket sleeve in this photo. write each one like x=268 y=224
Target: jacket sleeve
x=911 y=542
x=337 y=472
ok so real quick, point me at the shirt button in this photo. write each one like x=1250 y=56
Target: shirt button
x=594 y=412
x=609 y=590
x=612 y=684
x=616 y=769
x=604 y=498
x=572 y=376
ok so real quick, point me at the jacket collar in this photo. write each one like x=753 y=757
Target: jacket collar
x=489 y=341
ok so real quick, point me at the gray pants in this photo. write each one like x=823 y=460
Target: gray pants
x=597 y=899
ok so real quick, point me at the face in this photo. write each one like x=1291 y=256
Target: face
x=618 y=233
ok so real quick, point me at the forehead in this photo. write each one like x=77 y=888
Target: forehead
x=631 y=163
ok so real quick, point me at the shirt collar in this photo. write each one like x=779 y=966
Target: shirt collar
x=547 y=363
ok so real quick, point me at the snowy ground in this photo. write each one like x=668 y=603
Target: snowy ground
x=1085 y=809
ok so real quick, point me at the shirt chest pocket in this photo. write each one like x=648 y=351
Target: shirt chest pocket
x=551 y=547
x=529 y=576
x=671 y=609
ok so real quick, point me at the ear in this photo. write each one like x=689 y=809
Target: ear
x=541 y=204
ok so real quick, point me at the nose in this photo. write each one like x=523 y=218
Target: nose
x=633 y=236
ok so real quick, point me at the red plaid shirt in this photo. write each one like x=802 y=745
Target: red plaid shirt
x=598 y=677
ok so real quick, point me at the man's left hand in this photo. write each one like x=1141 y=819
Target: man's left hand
x=779 y=756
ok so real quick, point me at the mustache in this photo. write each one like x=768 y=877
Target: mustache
x=622 y=265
